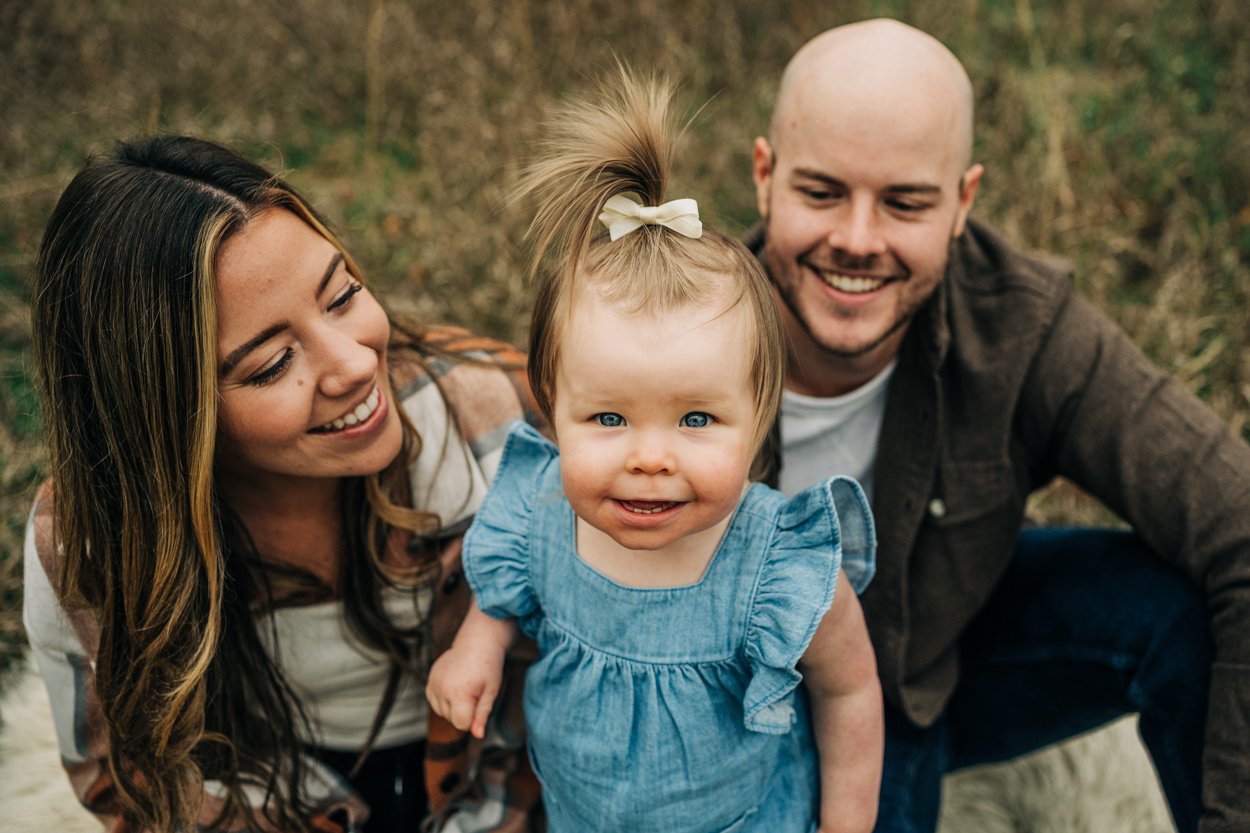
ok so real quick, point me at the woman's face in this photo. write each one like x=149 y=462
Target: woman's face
x=303 y=392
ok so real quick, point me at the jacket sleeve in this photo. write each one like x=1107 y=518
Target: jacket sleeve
x=67 y=671
x=487 y=786
x=1135 y=438
x=63 y=646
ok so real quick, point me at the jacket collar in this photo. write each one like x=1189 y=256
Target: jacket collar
x=932 y=323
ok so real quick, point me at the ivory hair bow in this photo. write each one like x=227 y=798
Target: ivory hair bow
x=622 y=214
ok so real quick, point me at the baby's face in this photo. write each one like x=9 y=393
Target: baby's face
x=655 y=418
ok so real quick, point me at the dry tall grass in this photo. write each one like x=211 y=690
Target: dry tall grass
x=1113 y=131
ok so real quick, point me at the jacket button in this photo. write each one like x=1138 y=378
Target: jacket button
x=451 y=582
x=937 y=508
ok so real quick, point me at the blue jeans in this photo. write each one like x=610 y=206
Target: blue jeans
x=1086 y=626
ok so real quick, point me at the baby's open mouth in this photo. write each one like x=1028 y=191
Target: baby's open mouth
x=648 y=507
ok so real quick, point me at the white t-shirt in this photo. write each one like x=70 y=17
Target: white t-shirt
x=826 y=436
x=338 y=680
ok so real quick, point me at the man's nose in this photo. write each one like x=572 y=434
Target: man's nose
x=857 y=230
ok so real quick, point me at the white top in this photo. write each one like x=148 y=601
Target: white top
x=339 y=681
x=834 y=435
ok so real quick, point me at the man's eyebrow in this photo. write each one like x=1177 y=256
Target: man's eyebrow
x=330 y=270
x=808 y=173
x=914 y=188
x=260 y=338
x=897 y=188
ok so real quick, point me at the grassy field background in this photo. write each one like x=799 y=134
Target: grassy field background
x=1116 y=132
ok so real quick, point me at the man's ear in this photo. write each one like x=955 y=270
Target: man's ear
x=968 y=185
x=762 y=171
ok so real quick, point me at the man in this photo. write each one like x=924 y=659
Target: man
x=954 y=376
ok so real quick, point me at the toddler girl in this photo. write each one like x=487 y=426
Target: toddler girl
x=674 y=603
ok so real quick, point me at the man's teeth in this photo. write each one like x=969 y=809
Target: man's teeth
x=363 y=411
x=847 y=283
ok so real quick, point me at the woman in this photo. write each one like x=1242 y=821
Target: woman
x=247 y=552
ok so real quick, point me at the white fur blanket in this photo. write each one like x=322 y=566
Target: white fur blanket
x=1099 y=783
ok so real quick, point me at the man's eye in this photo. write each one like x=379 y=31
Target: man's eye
x=907 y=206
x=696 y=419
x=609 y=420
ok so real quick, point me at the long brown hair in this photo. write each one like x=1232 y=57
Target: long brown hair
x=621 y=140
x=124 y=325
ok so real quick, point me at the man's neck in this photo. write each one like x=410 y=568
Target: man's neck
x=812 y=371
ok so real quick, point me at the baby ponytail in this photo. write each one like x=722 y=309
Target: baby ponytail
x=619 y=142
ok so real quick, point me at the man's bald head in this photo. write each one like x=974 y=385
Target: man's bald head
x=857 y=71
x=862 y=185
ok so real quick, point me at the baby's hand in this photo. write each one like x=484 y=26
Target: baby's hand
x=463 y=685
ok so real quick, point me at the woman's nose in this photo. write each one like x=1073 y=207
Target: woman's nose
x=346 y=366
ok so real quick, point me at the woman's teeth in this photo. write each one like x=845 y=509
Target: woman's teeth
x=362 y=412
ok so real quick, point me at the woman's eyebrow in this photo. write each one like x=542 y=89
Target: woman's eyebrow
x=251 y=344
x=330 y=270
x=237 y=354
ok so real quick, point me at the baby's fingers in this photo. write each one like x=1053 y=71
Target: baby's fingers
x=438 y=703
x=461 y=711
x=484 y=704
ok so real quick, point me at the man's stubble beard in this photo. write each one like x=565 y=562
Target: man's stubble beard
x=788 y=293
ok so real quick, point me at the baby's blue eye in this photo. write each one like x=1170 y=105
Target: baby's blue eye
x=696 y=419
x=609 y=420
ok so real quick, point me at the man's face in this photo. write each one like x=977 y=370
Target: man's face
x=859 y=216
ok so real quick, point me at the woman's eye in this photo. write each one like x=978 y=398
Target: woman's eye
x=271 y=373
x=609 y=420
x=696 y=419
x=346 y=297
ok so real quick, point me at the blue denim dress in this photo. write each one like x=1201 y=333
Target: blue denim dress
x=671 y=709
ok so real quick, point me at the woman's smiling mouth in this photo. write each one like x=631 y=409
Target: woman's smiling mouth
x=353 y=417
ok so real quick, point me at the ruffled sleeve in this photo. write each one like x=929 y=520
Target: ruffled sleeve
x=820 y=531
x=496 y=547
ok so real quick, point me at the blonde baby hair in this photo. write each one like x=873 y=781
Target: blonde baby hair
x=620 y=141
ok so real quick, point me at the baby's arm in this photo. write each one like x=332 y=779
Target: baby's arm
x=464 y=680
x=840 y=671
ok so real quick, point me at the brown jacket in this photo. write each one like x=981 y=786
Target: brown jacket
x=1007 y=379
